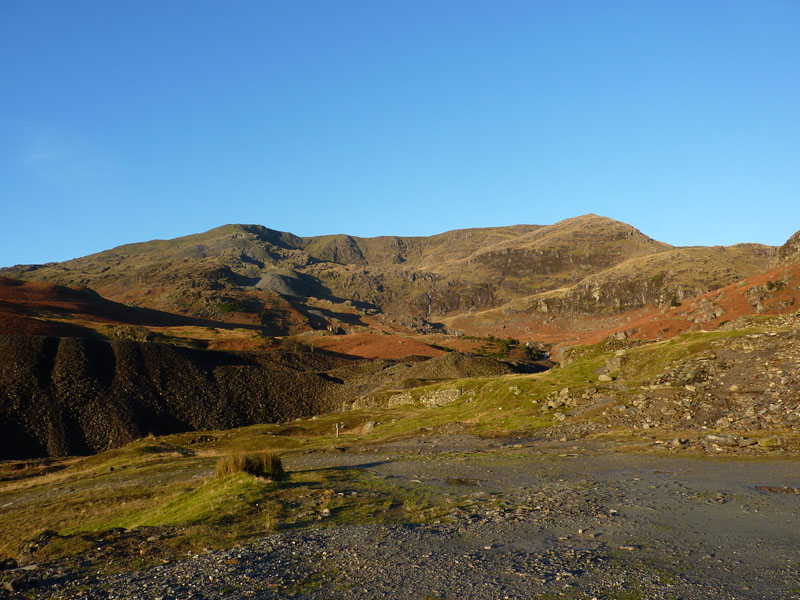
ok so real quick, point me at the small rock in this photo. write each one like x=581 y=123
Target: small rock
x=733 y=388
x=604 y=377
x=744 y=442
x=722 y=440
x=368 y=427
x=772 y=441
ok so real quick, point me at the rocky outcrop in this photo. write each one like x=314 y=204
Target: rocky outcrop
x=790 y=251
x=339 y=249
x=739 y=384
x=430 y=399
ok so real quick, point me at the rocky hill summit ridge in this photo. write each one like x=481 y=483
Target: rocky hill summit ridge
x=588 y=265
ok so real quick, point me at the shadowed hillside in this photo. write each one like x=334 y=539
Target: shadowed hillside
x=66 y=396
x=76 y=396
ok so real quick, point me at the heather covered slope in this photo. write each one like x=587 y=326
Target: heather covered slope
x=253 y=269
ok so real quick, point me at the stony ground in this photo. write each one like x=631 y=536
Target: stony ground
x=526 y=519
x=731 y=395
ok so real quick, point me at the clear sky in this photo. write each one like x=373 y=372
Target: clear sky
x=124 y=121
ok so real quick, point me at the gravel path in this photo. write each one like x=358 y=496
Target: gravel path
x=533 y=521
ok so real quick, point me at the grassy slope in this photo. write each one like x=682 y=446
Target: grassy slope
x=168 y=482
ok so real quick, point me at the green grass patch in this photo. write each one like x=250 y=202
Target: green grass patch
x=219 y=500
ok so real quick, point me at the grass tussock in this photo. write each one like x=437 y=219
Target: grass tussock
x=259 y=464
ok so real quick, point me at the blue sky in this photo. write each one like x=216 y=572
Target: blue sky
x=128 y=121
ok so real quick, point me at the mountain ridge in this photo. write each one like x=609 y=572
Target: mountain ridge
x=583 y=265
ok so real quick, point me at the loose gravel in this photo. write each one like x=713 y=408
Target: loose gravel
x=534 y=521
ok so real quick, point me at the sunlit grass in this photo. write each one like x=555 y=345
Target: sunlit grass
x=258 y=464
x=170 y=481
